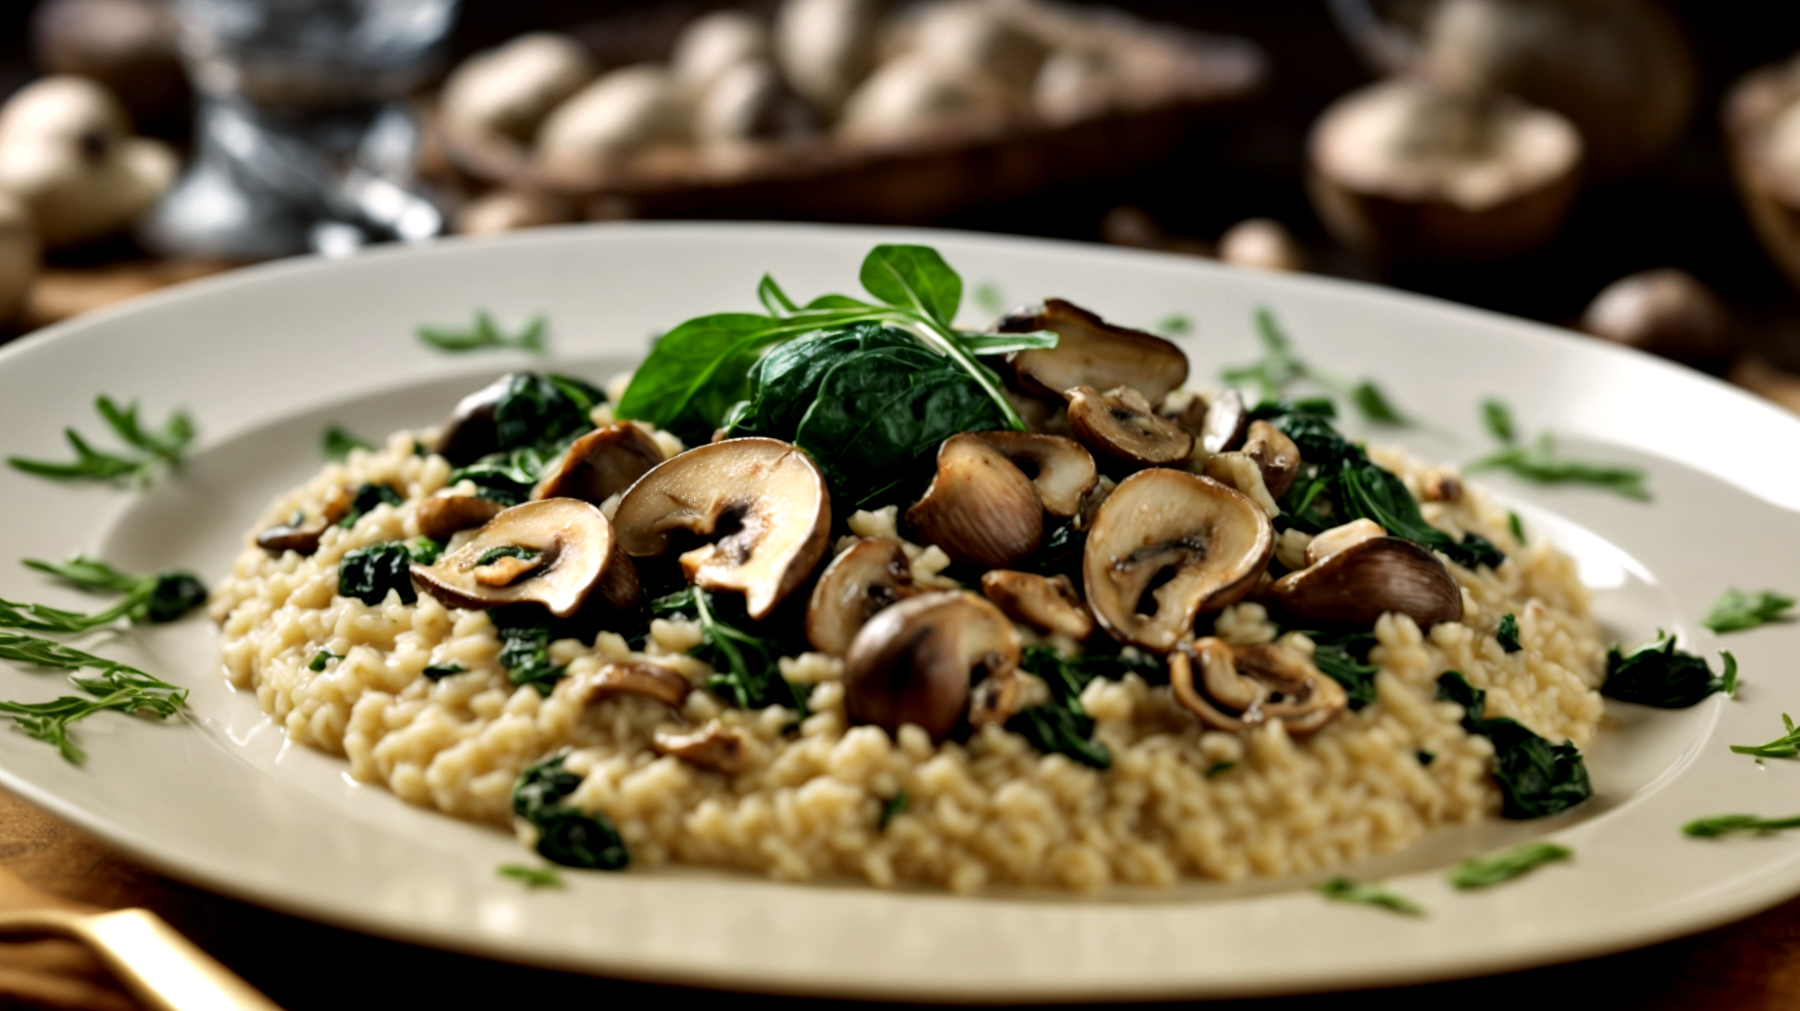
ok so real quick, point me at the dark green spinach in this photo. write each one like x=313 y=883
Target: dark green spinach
x=565 y=835
x=1536 y=778
x=524 y=632
x=1657 y=674
x=1507 y=635
x=368 y=574
x=745 y=672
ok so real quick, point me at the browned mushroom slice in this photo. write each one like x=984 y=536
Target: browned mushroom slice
x=303 y=538
x=1368 y=579
x=1438 y=486
x=1338 y=538
x=1244 y=687
x=1227 y=423
x=710 y=747
x=868 y=577
x=1275 y=455
x=601 y=464
x=470 y=432
x=1061 y=470
x=627 y=677
x=763 y=503
x=444 y=516
x=917 y=662
x=1120 y=426
x=980 y=508
x=1186 y=409
x=1048 y=604
x=1092 y=352
x=556 y=553
x=1207 y=545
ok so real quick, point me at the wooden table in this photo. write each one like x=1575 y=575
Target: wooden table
x=1753 y=964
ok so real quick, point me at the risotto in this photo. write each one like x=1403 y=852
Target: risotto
x=1209 y=681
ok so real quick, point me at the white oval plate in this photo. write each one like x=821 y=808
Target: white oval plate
x=264 y=358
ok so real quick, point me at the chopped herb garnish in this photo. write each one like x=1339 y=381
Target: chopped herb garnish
x=1657 y=674
x=158 y=449
x=1785 y=746
x=1174 y=324
x=532 y=877
x=1219 y=769
x=439 y=671
x=118 y=687
x=1346 y=890
x=366 y=499
x=892 y=808
x=485 y=334
x=322 y=658
x=744 y=669
x=368 y=574
x=1726 y=824
x=525 y=647
x=1517 y=527
x=337 y=442
x=988 y=299
x=1507 y=635
x=1538 y=461
x=1280 y=367
x=424 y=550
x=1536 y=778
x=1425 y=757
x=158 y=598
x=1736 y=610
x=565 y=835
x=1480 y=872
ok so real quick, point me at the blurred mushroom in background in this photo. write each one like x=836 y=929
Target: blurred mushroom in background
x=1666 y=312
x=1264 y=243
x=511 y=210
x=1130 y=225
x=503 y=95
x=18 y=256
x=1762 y=140
x=127 y=45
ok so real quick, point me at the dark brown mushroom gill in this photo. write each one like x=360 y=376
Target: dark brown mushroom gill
x=1091 y=352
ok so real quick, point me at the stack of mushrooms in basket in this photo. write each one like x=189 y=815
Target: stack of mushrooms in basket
x=1132 y=513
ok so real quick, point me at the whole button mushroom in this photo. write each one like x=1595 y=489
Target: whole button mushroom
x=619 y=115
x=1239 y=688
x=918 y=662
x=912 y=93
x=1261 y=242
x=1091 y=352
x=761 y=503
x=826 y=47
x=1371 y=577
x=980 y=508
x=714 y=43
x=66 y=151
x=1211 y=542
x=1666 y=312
x=18 y=255
x=981 y=38
x=556 y=553
x=508 y=91
x=127 y=45
x=750 y=101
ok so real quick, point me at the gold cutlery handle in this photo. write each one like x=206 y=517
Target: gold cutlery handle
x=160 y=967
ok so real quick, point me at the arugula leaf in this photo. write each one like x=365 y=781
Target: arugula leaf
x=531 y=877
x=1174 y=324
x=1342 y=889
x=1344 y=657
x=369 y=573
x=892 y=808
x=1498 y=418
x=698 y=370
x=565 y=835
x=1785 y=746
x=1539 y=462
x=1736 y=610
x=913 y=277
x=1657 y=674
x=158 y=449
x=485 y=334
x=337 y=441
x=1726 y=824
x=525 y=647
x=1481 y=872
x=1280 y=367
x=119 y=687
x=988 y=299
x=1536 y=778
x=1507 y=635
x=507 y=478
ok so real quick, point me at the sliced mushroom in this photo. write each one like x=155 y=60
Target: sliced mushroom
x=1091 y=352
x=1187 y=409
x=601 y=464
x=1046 y=603
x=980 y=508
x=1209 y=542
x=444 y=516
x=1371 y=578
x=1120 y=426
x=556 y=552
x=710 y=747
x=868 y=577
x=1227 y=423
x=1437 y=486
x=303 y=538
x=1238 y=689
x=1061 y=470
x=470 y=432
x=628 y=677
x=762 y=503
x=1340 y=538
x=917 y=662
x=1275 y=455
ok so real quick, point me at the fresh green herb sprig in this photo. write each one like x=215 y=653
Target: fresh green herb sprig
x=336 y=442
x=117 y=687
x=1345 y=890
x=698 y=370
x=744 y=669
x=322 y=659
x=158 y=449
x=1736 y=611
x=1175 y=324
x=1536 y=778
x=1280 y=367
x=531 y=877
x=158 y=598
x=1657 y=674
x=1483 y=871
x=1539 y=462
x=1728 y=824
x=1785 y=746
x=485 y=334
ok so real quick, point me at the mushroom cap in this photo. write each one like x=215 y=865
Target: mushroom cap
x=1061 y=470
x=1275 y=455
x=916 y=661
x=601 y=464
x=443 y=516
x=619 y=114
x=1239 y=688
x=555 y=552
x=1120 y=426
x=1091 y=352
x=980 y=508
x=826 y=46
x=1212 y=540
x=1046 y=603
x=869 y=577
x=1227 y=423
x=507 y=91
x=762 y=500
x=1666 y=312
x=1360 y=583
x=470 y=432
